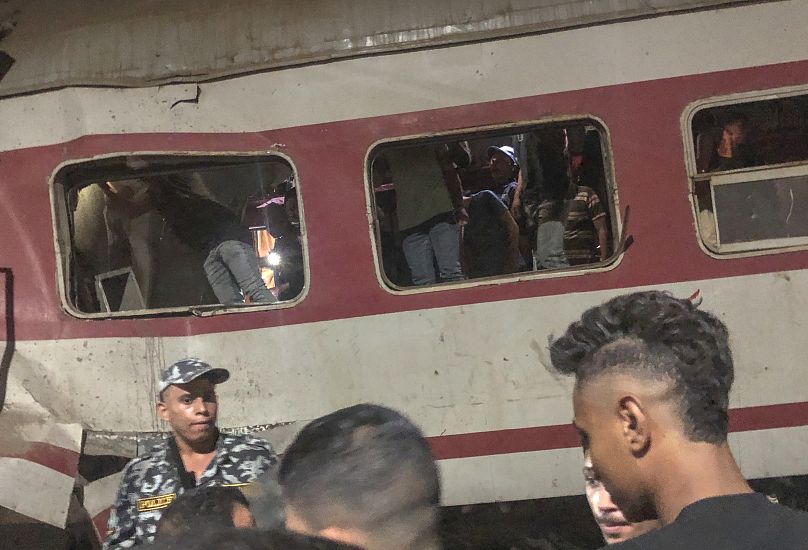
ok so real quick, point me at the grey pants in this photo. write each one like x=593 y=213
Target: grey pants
x=233 y=272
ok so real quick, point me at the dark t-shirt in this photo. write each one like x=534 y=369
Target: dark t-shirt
x=486 y=236
x=734 y=522
x=200 y=223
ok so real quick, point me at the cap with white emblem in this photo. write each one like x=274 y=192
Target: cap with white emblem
x=186 y=370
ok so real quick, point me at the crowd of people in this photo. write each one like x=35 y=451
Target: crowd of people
x=447 y=212
x=652 y=373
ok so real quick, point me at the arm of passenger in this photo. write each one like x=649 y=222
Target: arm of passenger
x=513 y=237
x=517 y=196
x=453 y=185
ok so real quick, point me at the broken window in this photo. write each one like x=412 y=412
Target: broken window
x=749 y=173
x=173 y=233
x=493 y=203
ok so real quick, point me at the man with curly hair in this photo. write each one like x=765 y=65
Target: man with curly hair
x=651 y=398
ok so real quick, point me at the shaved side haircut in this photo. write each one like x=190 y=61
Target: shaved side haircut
x=655 y=336
x=365 y=468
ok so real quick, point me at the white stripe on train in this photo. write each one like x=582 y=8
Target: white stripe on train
x=31 y=459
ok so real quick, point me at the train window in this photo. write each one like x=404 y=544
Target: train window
x=178 y=233
x=749 y=173
x=493 y=203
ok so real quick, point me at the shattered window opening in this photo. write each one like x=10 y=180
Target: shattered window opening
x=493 y=204
x=750 y=174
x=145 y=234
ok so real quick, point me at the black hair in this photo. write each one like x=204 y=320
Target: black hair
x=654 y=335
x=246 y=539
x=366 y=468
x=208 y=507
x=732 y=116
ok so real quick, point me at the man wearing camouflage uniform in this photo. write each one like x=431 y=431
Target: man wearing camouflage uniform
x=196 y=455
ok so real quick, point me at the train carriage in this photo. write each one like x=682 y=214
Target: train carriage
x=292 y=107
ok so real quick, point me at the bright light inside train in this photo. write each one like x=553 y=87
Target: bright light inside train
x=274 y=259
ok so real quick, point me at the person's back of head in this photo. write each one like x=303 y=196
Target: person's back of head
x=246 y=539
x=653 y=375
x=363 y=475
x=205 y=508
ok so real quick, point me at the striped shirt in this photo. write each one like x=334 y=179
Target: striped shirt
x=580 y=239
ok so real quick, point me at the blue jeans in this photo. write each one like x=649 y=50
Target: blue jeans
x=232 y=270
x=441 y=243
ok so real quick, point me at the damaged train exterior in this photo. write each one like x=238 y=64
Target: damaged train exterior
x=88 y=97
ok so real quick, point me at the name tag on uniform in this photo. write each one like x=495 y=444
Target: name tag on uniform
x=155 y=503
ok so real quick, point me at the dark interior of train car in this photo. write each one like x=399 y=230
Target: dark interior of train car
x=140 y=228
x=520 y=200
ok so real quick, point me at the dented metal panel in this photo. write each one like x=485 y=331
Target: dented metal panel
x=51 y=43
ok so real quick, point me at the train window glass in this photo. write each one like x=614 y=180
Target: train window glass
x=750 y=174
x=178 y=233
x=493 y=204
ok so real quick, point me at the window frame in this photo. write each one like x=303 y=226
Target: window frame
x=755 y=173
x=473 y=132
x=63 y=241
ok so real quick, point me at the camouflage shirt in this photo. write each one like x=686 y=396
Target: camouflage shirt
x=152 y=481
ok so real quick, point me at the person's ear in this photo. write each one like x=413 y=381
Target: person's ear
x=635 y=424
x=162 y=411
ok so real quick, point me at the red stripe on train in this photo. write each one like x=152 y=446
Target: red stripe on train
x=100 y=522
x=564 y=436
x=50 y=456
x=649 y=173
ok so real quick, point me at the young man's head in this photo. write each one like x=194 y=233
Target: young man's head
x=206 y=508
x=612 y=523
x=504 y=166
x=187 y=399
x=653 y=375
x=277 y=219
x=365 y=476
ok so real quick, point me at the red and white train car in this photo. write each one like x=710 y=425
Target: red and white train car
x=88 y=100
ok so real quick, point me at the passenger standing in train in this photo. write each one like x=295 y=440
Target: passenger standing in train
x=491 y=237
x=196 y=455
x=651 y=398
x=429 y=205
x=363 y=475
x=504 y=170
x=611 y=521
x=203 y=224
x=571 y=220
x=726 y=147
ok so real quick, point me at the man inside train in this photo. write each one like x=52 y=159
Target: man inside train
x=429 y=207
x=365 y=476
x=651 y=397
x=203 y=224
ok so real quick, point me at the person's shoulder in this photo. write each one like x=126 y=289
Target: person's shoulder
x=145 y=465
x=788 y=521
x=488 y=196
x=247 y=443
x=155 y=453
x=669 y=536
